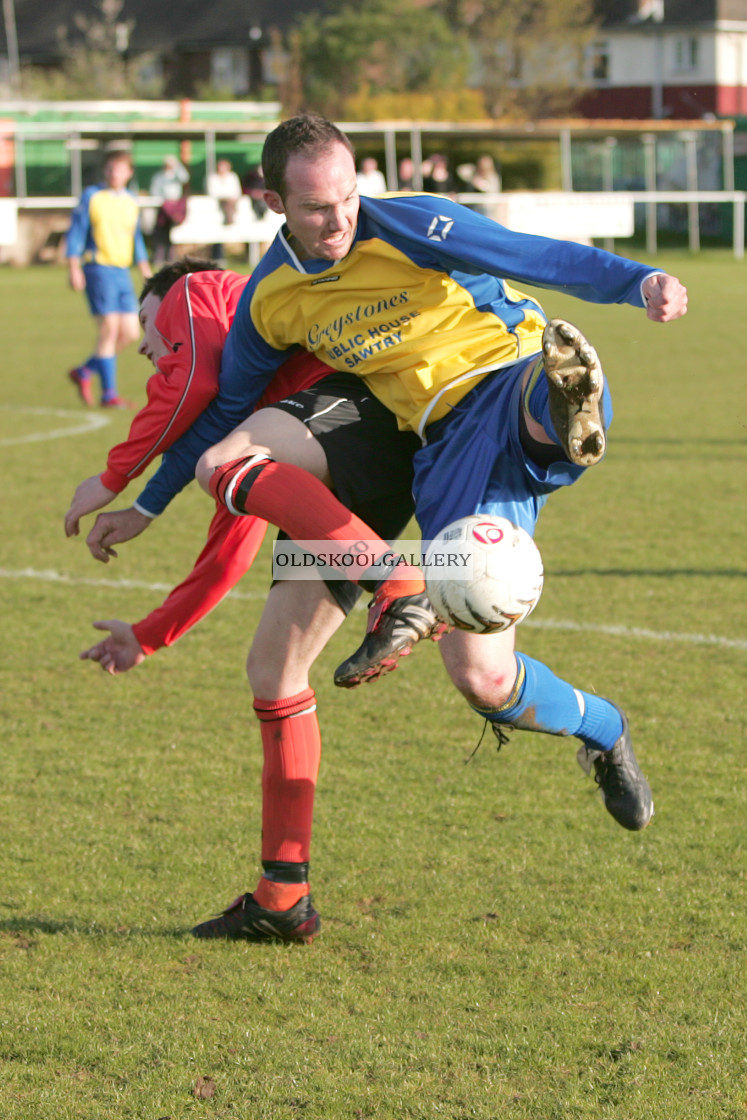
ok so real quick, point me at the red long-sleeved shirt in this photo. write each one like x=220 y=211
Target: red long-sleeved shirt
x=194 y=318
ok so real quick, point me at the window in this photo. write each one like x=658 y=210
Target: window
x=598 y=61
x=229 y=70
x=686 y=53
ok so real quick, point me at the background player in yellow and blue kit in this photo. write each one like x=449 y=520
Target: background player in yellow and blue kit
x=103 y=241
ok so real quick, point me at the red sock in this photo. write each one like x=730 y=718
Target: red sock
x=292 y=748
x=278 y=896
x=303 y=507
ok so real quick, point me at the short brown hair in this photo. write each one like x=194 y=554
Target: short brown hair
x=161 y=281
x=117 y=154
x=306 y=134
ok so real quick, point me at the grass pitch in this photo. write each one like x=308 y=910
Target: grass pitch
x=493 y=944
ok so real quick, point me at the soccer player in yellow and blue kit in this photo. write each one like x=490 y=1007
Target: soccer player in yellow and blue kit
x=103 y=241
x=414 y=294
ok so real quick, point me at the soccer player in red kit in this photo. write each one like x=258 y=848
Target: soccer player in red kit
x=186 y=311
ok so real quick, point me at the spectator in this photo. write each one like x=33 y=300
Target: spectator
x=482 y=177
x=167 y=185
x=370 y=180
x=224 y=186
x=253 y=185
x=406 y=174
x=437 y=178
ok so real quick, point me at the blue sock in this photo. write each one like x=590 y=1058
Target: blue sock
x=540 y=701
x=93 y=365
x=107 y=371
x=85 y=369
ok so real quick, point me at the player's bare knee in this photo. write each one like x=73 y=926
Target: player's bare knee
x=481 y=687
x=264 y=680
x=270 y=678
x=208 y=463
x=481 y=666
x=204 y=469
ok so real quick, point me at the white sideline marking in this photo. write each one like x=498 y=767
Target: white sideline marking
x=50 y=576
x=638 y=632
x=86 y=422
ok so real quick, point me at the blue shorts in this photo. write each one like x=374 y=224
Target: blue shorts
x=474 y=462
x=109 y=290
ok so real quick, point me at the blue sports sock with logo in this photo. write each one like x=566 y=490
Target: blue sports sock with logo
x=540 y=701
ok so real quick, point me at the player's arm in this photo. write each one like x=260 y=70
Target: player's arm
x=116 y=527
x=76 y=275
x=91 y=494
x=177 y=468
x=75 y=241
x=184 y=384
x=231 y=547
x=483 y=245
x=227 y=556
x=176 y=471
x=176 y=397
x=140 y=253
x=178 y=393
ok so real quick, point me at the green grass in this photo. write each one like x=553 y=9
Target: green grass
x=494 y=945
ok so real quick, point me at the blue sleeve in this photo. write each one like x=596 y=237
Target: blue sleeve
x=176 y=471
x=178 y=464
x=140 y=253
x=80 y=224
x=440 y=233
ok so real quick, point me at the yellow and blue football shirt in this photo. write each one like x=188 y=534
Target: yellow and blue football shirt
x=422 y=307
x=105 y=229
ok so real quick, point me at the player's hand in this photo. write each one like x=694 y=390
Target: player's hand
x=89 y=496
x=119 y=651
x=114 y=528
x=77 y=276
x=665 y=297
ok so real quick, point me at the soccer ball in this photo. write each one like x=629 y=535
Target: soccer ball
x=483 y=574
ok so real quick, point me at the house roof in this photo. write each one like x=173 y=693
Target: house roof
x=617 y=13
x=160 y=27
x=193 y=24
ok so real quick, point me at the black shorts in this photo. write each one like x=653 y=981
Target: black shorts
x=369 y=458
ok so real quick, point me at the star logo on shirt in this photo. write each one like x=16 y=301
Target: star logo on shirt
x=439 y=228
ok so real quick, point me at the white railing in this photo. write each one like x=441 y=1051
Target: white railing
x=595 y=200
x=594 y=214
